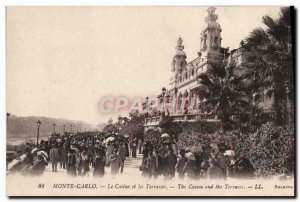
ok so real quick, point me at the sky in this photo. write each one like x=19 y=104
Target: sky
x=61 y=61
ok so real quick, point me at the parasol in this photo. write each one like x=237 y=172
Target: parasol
x=165 y=135
x=190 y=156
x=229 y=153
x=108 y=139
x=196 y=149
x=43 y=153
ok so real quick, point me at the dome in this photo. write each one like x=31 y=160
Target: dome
x=180 y=53
x=213 y=25
x=179 y=48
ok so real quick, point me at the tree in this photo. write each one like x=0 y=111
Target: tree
x=110 y=127
x=272 y=65
x=134 y=127
x=226 y=94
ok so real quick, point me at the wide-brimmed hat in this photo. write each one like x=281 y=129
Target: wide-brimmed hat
x=229 y=153
x=165 y=135
x=190 y=156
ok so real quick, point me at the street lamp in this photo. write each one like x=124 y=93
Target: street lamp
x=71 y=128
x=64 y=126
x=38 y=132
x=163 y=93
x=147 y=108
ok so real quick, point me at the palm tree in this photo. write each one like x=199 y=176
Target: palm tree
x=272 y=65
x=226 y=94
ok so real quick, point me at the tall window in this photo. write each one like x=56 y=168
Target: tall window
x=193 y=72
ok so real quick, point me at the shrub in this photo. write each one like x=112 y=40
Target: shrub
x=272 y=149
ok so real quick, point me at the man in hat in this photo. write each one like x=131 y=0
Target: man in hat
x=214 y=172
x=122 y=156
x=54 y=157
x=180 y=164
x=221 y=161
x=244 y=168
x=134 y=147
x=99 y=165
x=171 y=161
x=140 y=144
x=189 y=167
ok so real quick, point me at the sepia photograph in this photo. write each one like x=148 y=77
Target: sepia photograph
x=150 y=101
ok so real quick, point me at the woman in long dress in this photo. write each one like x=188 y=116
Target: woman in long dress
x=99 y=166
x=71 y=163
x=114 y=163
x=85 y=162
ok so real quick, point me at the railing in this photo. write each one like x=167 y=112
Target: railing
x=194 y=117
x=155 y=120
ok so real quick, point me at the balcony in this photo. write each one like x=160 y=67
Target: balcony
x=195 y=117
x=155 y=120
x=152 y=121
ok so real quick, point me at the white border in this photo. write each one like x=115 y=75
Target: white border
x=108 y=3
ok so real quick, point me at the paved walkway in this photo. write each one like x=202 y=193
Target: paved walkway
x=131 y=167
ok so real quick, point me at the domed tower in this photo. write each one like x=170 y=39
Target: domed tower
x=211 y=35
x=179 y=60
x=210 y=46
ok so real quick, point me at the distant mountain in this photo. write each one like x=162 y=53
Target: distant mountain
x=25 y=127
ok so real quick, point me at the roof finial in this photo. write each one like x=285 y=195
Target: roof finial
x=179 y=42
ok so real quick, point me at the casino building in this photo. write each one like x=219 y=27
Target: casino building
x=184 y=82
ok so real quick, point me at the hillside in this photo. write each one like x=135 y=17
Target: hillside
x=21 y=127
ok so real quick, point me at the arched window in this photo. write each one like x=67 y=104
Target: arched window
x=193 y=72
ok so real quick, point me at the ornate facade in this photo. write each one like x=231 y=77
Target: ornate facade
x=184 y=83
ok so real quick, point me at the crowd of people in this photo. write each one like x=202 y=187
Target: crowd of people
x=81 y=153
x=93 y=153
x=196 y=161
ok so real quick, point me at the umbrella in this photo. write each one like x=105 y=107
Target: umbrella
x=43 y=153
x=190 y=156
x=196 y=149
x=165 y=135
x=109 y=135
x=126 y=136
x=229 y=153
x=108 y=139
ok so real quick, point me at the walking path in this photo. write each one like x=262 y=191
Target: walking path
x=131 y=168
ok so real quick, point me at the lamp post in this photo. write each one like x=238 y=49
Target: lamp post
x=71 y=128
x=163 y=93
x=147 y=108
x=38 y=132
x=64 y=128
